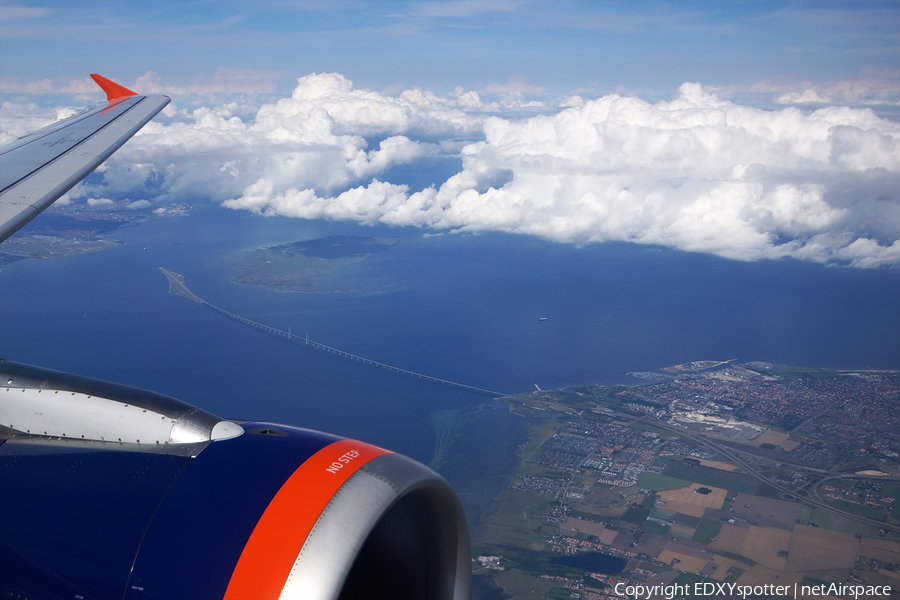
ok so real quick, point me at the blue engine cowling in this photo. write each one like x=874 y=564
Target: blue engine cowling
x=100 y=519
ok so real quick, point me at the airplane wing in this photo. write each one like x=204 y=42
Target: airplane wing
x=37 y=169
x=109 y=491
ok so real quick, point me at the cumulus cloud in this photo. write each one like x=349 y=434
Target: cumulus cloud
x=318 y=139
x=18 y=119
x=872 y=87
x=364 y=112
x=515 y=91
x=697 y=173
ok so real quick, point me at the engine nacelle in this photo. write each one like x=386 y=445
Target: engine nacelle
x=255 y=511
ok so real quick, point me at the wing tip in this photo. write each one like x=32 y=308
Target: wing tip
x=113 y=90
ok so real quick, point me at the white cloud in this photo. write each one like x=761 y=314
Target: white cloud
x=222 y=81
x=463 y=8
x=698 y=173
x=872 y=87
x=867 y=253
x=316 y=139
x=14 y=11
x=364 y=112
x=515 y=91
x=18 y=119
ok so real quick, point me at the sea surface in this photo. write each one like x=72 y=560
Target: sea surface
x=462 y=307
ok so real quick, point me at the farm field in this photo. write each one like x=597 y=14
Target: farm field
x=639 y=500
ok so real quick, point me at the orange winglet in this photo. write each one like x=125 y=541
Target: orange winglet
x=113 y=90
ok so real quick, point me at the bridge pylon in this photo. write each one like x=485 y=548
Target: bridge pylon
x=178 y=287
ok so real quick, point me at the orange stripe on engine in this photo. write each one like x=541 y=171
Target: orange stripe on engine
x=272 y=548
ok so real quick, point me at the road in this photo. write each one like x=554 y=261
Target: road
x=730 y=454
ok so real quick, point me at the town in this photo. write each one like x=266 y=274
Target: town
x=750 y=474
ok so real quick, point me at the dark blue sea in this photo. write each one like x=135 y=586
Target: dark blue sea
x=456 y=306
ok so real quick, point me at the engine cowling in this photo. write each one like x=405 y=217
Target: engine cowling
x=261 y=511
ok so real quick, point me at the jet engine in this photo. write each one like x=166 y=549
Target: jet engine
x=110 y=491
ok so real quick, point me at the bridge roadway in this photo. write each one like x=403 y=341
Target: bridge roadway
x=178 y=288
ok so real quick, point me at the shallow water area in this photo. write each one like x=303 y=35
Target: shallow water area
x=496 y=311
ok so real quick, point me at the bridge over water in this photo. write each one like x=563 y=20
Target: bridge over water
x=179 y=288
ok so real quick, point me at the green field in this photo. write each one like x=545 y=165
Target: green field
x=652 y=527
x=732 y=482
x=662 y=513
x=892 y=489
x=636 y=515
x=707 y=530
x=870 y=512
x=662 y=483
x=767 y=491
x=737 y=557
x=518 y=521
x=587 y=516
x=791 y=372
x=828 y=520
x=523 y=585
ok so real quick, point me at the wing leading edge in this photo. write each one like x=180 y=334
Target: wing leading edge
x=37 y=169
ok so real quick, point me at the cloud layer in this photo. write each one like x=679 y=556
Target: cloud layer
x=698 y=173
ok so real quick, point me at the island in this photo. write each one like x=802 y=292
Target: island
x=305 y=266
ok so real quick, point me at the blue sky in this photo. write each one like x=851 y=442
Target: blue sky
x=562 y=47
x=750 y=130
